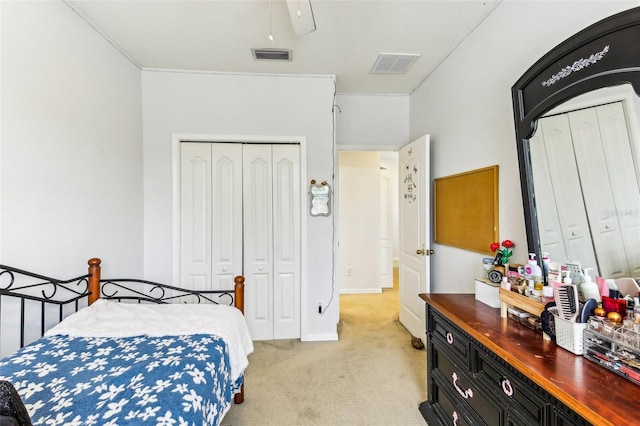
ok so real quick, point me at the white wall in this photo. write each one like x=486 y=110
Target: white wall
x=465 y=106
x=71 y=165
x=219 y=104
x=359 y=212
x=371 y=122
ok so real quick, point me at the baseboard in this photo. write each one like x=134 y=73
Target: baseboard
x=320 y=337
x=360 y=290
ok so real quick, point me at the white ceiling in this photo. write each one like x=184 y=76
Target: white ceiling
x=218 y=35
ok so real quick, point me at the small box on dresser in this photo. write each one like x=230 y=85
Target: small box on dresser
x=488 y=292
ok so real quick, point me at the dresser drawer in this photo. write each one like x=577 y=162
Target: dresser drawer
x=524 y=400
x=443 y=331
x=447 y=409
x=464 y=387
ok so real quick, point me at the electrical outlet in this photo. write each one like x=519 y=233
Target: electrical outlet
x=349 y=271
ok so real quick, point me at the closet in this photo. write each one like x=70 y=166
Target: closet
x=240 y=214
x=587 y=192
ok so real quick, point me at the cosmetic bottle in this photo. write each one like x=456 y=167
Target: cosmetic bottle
x=532 y=269
x=589 y=289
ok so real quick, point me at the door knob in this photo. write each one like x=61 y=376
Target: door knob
x=424 y=252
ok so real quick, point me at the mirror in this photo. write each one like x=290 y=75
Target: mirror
x=577 y=118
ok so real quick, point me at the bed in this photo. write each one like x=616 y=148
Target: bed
x=124 y=351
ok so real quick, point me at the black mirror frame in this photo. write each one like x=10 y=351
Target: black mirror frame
x=604 y=54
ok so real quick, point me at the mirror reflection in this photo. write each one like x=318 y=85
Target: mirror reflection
x=585 y=167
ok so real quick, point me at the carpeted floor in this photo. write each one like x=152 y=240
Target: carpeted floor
x=371 y=376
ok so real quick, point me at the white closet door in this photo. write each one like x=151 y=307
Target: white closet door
x=241 y=213
x=596 y=189
x=226 y=214
x=195 y=170
x=567 y=190
x=624 y=182
x=286 y=238
x=550 y=231
x=211 y=211
x=258 y=240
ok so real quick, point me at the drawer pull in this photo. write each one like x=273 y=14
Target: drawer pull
x=506 y=387
x=450 y=338
x=465 y=394
x=455 y=418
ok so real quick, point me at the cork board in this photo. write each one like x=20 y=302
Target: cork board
x=466 y=209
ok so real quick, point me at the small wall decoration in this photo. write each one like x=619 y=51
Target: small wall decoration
x=320 y=204
x=409 y=183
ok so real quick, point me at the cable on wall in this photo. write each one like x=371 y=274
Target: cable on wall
x=334 y=106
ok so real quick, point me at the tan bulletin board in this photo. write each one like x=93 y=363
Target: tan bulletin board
x=466 y=209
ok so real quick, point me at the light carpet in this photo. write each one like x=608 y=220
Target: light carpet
x=371 y=376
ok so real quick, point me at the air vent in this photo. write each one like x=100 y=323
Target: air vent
x=271 y=54
x=393 y=63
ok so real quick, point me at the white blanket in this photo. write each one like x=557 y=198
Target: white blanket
x=113 y=319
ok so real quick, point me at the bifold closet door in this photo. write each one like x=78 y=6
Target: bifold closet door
x=211 y=214
x=565 y=187
x=609 y=185
x=271 y=194
x=240 y=214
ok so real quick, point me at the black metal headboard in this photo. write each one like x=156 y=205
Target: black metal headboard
x=141 y=291
x=66 y=295
x=26 y=289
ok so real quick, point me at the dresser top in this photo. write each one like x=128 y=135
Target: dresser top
x=598 y=395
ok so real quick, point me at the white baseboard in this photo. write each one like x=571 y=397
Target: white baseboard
x=360 y=290
x=320 y=337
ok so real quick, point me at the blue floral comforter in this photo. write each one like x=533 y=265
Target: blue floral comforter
x=167 y=380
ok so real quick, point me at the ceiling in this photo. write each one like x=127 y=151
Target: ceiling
x=218 y=35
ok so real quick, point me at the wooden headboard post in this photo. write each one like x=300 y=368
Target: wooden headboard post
x=239 y=293
x=94 y=280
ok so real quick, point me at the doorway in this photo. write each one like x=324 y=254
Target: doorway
x=368 y=221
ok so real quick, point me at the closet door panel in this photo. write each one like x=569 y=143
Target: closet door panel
x=226 y=212
x=624 y=182
x=547 y=212
x=286 y=238
x=567 y=191
x=258 y=239
x=596 y=190
x=195 y=159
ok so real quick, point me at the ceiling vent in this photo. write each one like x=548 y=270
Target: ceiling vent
x=393 y=63
x=271 y=54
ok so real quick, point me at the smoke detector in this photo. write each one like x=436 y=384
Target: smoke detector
x=393 y=63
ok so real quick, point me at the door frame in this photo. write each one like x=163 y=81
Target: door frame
x=178 y=138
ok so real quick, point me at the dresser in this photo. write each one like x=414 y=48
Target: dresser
x=484 y=369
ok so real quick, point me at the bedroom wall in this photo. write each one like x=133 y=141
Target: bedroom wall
x=465 y=105
x=71 y=164
x=371 y=122
x=71 y=167
x=256 y=105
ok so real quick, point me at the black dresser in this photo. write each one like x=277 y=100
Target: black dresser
x=483 y=369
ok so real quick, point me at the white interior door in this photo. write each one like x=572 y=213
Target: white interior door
x=386 y=245
x=415 y=223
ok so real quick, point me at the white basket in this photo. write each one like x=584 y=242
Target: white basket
x=569 y=334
